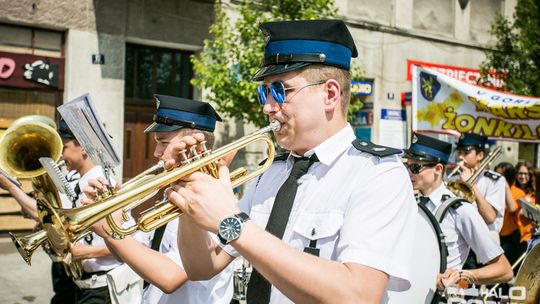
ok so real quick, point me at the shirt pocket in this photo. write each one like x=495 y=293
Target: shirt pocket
x=320 y=227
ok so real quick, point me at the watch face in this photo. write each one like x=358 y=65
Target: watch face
x=230 y=228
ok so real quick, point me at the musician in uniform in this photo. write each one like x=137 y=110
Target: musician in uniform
x=95 y=258
x=462 y=225
x=63 y=287
x=157 y=258
x=330 y=222
x=490 y=188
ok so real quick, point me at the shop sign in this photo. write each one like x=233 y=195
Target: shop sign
x=31 y=72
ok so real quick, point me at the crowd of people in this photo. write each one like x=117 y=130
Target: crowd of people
x=331 y=221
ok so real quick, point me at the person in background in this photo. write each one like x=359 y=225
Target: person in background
x=489 y=189
x=462 y=225
x=525 y=188
x=510 y=234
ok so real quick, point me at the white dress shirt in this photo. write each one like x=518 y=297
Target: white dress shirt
x=103 y=263
x=359 y=208
x=463 y=229
x=218 y=290
x=494 y=192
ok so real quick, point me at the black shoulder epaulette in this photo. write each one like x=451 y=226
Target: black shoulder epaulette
x=492 y=175
x=371 y=148
x=278 y=157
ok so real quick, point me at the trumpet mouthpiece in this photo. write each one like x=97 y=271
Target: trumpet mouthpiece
x=275 y=125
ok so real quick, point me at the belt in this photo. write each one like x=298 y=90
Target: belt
x=92 y=280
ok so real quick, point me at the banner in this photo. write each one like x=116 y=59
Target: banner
x=442 y=104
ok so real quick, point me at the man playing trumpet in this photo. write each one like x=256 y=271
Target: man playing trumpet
x=331 y=222
x=155 y=256
x=490 y=188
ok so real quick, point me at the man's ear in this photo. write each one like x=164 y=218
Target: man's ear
x=333 y=95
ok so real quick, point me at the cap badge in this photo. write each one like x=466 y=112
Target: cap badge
x=414 y=138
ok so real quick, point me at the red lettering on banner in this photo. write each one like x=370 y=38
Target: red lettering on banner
x=7 y=66
x=467 y=75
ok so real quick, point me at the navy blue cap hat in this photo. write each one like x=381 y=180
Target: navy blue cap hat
x=426 y=148
x=472 y=140
x=292 y=45
x=64 y=131
x=174 y=113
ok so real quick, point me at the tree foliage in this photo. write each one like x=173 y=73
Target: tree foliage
x=233 y=55
x=517 y=51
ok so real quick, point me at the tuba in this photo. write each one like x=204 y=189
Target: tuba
x=66 y=225
x=22 y=145
x=465 y=188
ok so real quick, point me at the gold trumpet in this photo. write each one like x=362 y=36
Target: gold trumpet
x=65 y=225
x=465 y=189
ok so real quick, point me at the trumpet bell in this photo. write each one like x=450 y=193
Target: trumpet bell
x=462 y=189
x=25 y=141
x=26 y=245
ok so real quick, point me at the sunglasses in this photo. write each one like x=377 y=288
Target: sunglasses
x=417 y=168
x=278 y=90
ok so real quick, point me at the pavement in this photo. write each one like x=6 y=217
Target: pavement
x=20 y=283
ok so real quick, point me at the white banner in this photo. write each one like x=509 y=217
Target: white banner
x=442 y=104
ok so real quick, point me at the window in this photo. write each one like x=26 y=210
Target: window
x=152 y=71
x=40 y=42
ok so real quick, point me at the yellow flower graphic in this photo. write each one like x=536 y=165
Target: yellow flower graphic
x=434 y=111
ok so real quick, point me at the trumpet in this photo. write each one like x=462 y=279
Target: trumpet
x=465 y=188
x=65 y=225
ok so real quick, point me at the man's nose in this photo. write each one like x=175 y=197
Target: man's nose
x=271 y=105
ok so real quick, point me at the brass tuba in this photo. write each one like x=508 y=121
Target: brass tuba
x=21 y=146
x=66 y=225
x=465 y=188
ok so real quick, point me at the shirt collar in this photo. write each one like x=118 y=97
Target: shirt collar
x=330 y=149
x=436 y=196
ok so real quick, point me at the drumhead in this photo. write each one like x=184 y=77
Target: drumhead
x=429 y=259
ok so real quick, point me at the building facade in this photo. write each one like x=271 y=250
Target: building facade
x=122 y=52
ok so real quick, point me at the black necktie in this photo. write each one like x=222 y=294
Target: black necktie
x=423 y=200
x=259 y=288
x=77 y=191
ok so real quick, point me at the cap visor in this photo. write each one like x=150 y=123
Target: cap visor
x=277 y=69
x=157 y=127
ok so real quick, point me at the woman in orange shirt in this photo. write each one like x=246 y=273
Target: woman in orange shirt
x=525 y=182
x=510 y=235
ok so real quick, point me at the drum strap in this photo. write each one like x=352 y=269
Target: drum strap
x=452 y=202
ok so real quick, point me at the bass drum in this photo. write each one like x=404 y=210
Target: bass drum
x=429 y=259
x=528 y=277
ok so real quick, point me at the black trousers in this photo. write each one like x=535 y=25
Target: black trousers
x=64 y=289
x=93 y=296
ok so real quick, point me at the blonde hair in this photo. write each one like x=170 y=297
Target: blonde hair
x=318 y=72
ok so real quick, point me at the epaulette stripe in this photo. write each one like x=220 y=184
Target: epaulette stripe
x=371 y=148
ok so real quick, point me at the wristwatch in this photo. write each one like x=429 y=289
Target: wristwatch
x=231 y=227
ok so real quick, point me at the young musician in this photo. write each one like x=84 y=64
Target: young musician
x=462 y=225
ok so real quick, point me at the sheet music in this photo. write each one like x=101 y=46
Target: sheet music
x=58 y=177
x=529 y=210
x=83 y=120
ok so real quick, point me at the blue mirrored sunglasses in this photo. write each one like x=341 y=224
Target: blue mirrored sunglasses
x=278 y=90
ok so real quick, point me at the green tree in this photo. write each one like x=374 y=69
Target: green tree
x=233 y=55
x=517 y=52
